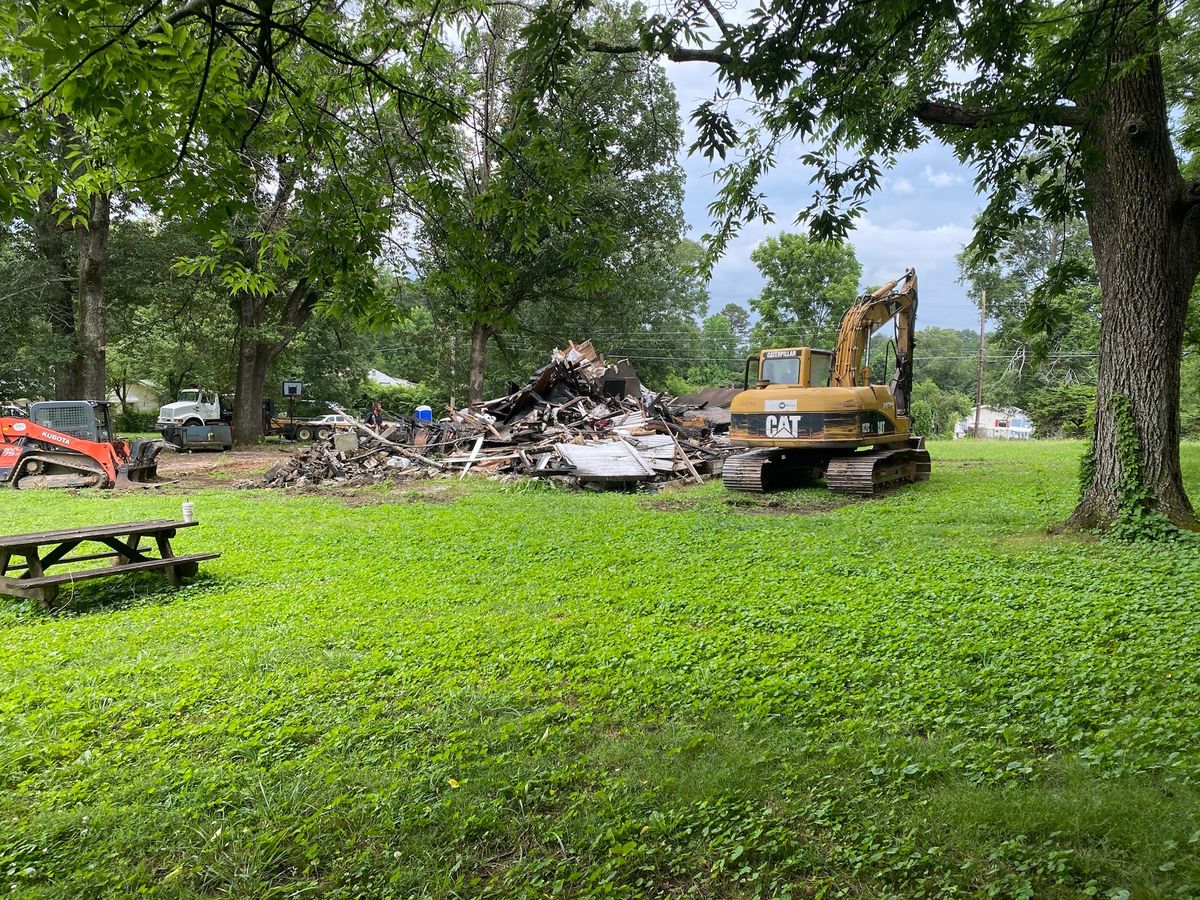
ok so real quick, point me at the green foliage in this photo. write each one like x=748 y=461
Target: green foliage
x=402 y=399
x=555 y=209
x=130 y=421
x=1043 y=292
x=677 y=386
x=935 y=411
x=1063 y=411
x=721 y=351
x=171 y=329
x=461 y=690
x=30 y=346
x=1181 y=54
x=945 y=356
x=809 y=285
x=857 y=85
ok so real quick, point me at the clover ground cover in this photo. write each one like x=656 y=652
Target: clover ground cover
x=524 y=692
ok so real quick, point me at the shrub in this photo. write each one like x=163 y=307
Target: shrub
x=132 y=421
x=934 y=411
x=1063 y=411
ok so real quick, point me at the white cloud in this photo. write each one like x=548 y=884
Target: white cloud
x=903 y=186
x=941 y=178
x=886 y=250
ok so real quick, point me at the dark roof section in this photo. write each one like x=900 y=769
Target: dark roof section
x=715 y=397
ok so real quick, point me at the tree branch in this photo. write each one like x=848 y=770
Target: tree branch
x=1190 y=195
x=933 y=112
x=675 y=54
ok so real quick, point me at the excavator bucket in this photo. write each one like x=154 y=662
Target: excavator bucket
x=142 y=465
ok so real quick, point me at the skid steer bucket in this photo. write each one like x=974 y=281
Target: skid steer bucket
x=142 y=465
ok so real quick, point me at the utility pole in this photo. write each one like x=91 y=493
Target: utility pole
x=979 y=371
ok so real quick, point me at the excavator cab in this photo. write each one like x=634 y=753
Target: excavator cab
x=792 y=366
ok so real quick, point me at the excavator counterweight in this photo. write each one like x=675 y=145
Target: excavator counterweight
x=817 y=413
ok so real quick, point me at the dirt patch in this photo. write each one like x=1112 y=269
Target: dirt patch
x=780 y=508
x=197 y=470
x=757 y=506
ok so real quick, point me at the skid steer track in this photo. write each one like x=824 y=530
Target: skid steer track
x=59 y=470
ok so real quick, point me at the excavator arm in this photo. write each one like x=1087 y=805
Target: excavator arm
x=870 y=312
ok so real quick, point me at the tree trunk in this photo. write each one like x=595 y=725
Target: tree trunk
x=254 y=359
x=48 y=238
x=1145 y=241
x=480 y=333
x=256 y=353
x=92 y=243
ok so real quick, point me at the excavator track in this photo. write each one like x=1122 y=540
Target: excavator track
x=771 y=469
x=59 y=470
x=874 y=471
x=750 y=472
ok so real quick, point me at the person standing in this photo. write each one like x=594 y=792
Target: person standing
x=375 y=417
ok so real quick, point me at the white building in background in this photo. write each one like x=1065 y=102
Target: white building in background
x=385 y=380
x=140 y=396
x=1005 y=423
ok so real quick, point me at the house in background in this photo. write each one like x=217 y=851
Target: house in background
x=1003 y=423
x=384 y=380
x=140 y=396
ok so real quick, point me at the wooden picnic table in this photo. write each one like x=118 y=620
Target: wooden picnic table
x=44 y=550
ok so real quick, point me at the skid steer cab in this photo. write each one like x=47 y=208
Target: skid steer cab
x=70 y=443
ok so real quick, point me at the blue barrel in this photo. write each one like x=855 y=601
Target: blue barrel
x=423 y=414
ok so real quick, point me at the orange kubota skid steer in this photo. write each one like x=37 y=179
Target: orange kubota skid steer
x=70 y=443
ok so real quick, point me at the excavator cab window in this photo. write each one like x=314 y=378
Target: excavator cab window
x=780 y=370
x=820 y=367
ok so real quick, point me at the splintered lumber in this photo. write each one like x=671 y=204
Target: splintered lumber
x=474 y=456
x=684 y=456
x=397 y=447
x=578 y=419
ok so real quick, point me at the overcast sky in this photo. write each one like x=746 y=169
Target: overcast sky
x=921 y=218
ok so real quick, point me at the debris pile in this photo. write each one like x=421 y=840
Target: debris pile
x=578 y=419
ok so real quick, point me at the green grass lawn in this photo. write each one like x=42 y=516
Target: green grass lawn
x=514 y=691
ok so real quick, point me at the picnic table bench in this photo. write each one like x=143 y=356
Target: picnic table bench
x=122 y=543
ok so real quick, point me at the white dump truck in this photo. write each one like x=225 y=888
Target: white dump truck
x=198 y=420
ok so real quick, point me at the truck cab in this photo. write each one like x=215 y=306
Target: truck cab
x=198 y=420
x=195 y=406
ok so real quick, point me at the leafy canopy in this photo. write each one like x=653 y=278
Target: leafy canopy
x=1004 y=83
x=809 y=285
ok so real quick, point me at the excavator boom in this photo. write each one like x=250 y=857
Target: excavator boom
x=895 y=300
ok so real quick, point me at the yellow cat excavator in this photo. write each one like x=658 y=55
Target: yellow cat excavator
x=815 y=413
